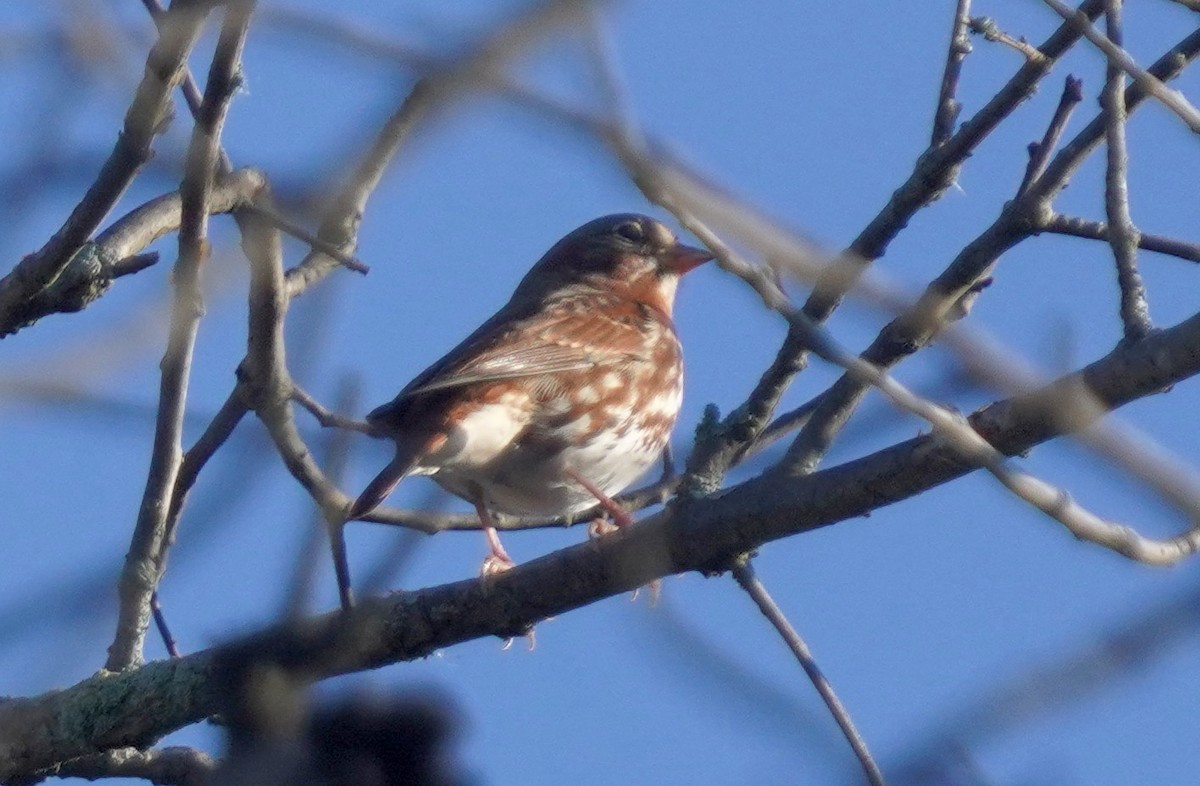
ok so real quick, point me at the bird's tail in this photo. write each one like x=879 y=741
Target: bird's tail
x=383 y=484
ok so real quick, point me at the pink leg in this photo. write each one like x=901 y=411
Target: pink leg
x=497 y=560
x=619 y=515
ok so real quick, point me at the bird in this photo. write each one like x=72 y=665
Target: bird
x=560 y=400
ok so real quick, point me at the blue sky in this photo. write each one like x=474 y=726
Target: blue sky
x=813 y=111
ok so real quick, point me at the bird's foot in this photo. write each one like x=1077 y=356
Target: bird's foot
x=497 y=561
x=495 y=565
x=530 y=636
x=601 y=526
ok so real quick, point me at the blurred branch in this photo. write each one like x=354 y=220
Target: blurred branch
x=747 y=579
x=133 y=706
x=139 y=576
x=147 y=117
x=444 y=82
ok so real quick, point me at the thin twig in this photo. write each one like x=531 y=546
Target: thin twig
x=1122 y=234
x=1018 y=220
x=348 y=261
x=948 y=106
x=1097 y=230
x=1039 y=152
x=1150 y=84
x=337 y=455
x=987 y=27
x=327 y=417
x=139 y=577
x=164 y=630
x=743 y=572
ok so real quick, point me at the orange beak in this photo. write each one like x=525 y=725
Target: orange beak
x=683 y=258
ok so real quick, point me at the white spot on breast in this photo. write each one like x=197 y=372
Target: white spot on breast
x=587 y=395
x=483 y=434
x=610 y=381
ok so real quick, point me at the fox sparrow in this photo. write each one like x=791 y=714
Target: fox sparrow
x=561 y=399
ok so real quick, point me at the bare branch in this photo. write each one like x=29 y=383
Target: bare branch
x=933 y=173
x=1098 y=230
x=1019 y=219
x=987 y=27
x=743 y=572
x=1039 y=152
x=960 y=46
x=1122 y=234
x=43 y=730
x=164 y=630
x=1146 y=80
x=140 y=574
x=327 y=417
x=147 y=117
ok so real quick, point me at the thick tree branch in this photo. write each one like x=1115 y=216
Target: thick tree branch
x=171 y=766
x=136 y=706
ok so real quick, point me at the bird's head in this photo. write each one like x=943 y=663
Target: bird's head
x=626 y=253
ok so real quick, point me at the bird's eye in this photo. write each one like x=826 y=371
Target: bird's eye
x=631 y=231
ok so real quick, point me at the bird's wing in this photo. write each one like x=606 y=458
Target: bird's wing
x=569 y=338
